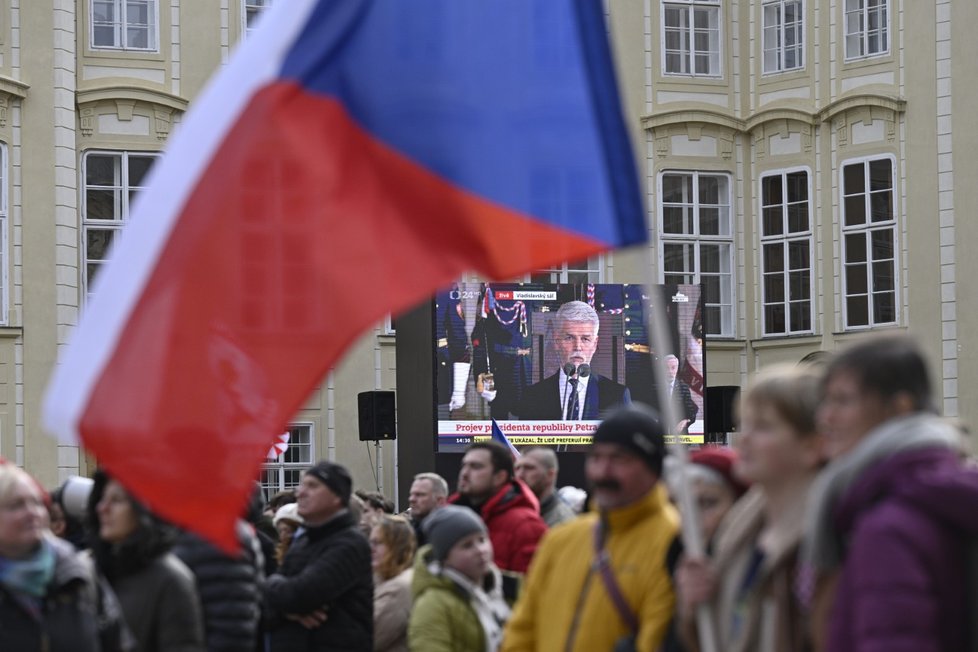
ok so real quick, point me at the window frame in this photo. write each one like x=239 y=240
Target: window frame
x=869 y=227
x=115 y=225
x=785 y=237
x=246 y=30
x=120 y=45
x=281 y=467
x=864 y=33
x=690 y=6
x=781 y=49
x=560 y=274
x=697 y=240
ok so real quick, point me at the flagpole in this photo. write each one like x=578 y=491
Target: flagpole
x=692 y=537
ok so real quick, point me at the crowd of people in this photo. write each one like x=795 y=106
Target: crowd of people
x=842 y=519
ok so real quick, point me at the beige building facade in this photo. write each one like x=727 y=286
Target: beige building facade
x=808 y=161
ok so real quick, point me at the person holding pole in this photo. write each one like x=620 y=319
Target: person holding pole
x=600 y=581
x=750 y=579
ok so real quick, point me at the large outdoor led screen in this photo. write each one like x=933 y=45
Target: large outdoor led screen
x=530 y=357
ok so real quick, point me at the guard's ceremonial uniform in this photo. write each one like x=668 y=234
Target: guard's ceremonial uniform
x=501 y=346
x=452 y=343
x=627 y=300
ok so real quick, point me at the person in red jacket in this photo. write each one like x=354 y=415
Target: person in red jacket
x=488 y=485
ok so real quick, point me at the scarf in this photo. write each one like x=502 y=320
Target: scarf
x=824 y=546
x=489 y=606
x=28 y=579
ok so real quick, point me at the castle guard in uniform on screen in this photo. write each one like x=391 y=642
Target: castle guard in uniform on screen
x=452 y=346
x=574 y=392
x=501 y=353
x=629 y=300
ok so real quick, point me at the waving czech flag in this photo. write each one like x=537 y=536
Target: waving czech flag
x=500 y=437
x=353 y=157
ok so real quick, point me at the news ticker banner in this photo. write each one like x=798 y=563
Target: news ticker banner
x=535 y=433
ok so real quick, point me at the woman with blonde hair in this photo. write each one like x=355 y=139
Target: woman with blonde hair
x=392 y=547
x=286 y=521
x=51 y=598
x=751 y=578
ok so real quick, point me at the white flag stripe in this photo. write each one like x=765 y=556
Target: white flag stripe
x=170 y=184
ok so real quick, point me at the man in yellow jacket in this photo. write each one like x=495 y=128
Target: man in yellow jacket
x=566 y=603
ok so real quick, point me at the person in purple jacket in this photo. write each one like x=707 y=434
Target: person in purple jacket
x=891 y=517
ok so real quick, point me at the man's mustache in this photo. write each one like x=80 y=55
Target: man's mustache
x=608 y=483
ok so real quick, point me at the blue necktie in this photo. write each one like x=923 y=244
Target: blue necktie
x=572 y=402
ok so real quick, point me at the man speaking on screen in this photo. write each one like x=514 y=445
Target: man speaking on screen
x=574 y=392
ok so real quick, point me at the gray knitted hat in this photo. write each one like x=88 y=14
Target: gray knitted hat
x=448 y=525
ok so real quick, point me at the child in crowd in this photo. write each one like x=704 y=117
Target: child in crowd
x=458 y=599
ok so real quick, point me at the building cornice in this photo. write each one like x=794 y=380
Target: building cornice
x=775 y=113
x=715 y=117
x=93 y=93
x=726 y=119
x=122 y=98
x=859 y=101
x=13 y=87
x=10 y=89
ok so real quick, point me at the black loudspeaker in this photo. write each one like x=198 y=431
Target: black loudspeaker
x=377 y=416
x=720 y=400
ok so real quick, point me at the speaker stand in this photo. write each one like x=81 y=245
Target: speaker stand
x=378 y=467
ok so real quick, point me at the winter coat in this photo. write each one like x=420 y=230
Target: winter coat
x=419 y=537
x=443 y=619
x=228 y=588
x=893 y=519
x=156 y=590
x=267 y=545
x=80 y=612
x=555 y=511
x=564 y=604
x=328 y=567
x=161 y=606
x=512 y=516
x=768 y=618
x=392 y=610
